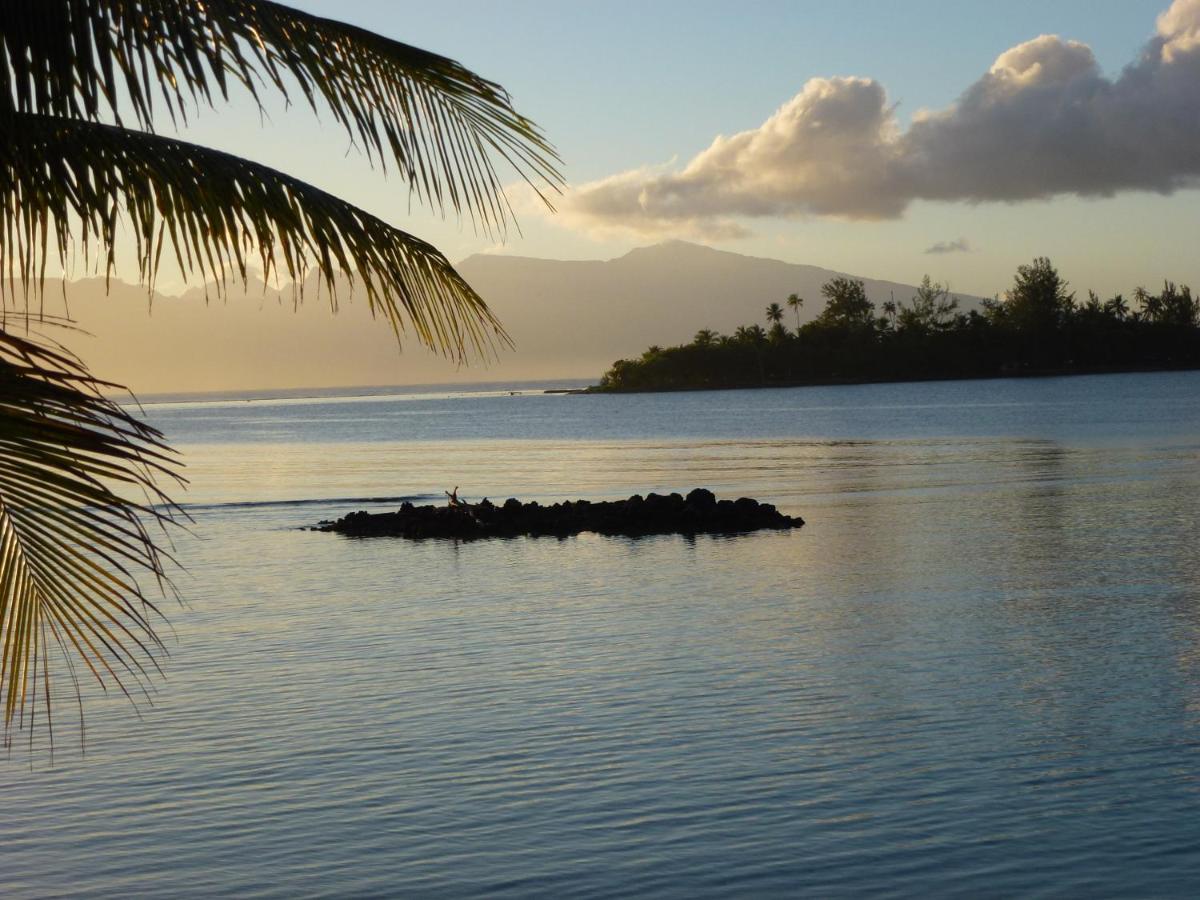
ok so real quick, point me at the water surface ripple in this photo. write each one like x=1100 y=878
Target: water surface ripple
x=974 y=672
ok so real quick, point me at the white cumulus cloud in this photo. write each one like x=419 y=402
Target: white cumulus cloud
x=1042 y=121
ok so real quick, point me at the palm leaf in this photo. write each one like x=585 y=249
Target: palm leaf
x=441 y=123
x=64 y=177
x=73 y=545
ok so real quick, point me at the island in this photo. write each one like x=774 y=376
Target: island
x=1038 y=328
x=700 y=512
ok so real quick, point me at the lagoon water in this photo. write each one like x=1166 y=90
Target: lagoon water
x=975 y=671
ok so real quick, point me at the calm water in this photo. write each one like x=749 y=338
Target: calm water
x=976 y=671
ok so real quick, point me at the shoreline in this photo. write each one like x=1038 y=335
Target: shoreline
x=836 y=382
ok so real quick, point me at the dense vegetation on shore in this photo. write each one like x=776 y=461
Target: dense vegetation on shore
x=1038 y=327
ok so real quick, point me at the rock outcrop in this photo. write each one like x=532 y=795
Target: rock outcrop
x=700 y=512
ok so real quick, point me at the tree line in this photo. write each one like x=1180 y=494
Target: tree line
x=1039 y=327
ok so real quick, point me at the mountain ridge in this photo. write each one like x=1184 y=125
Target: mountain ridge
x=674 y=245
x=659 y=294
x=569 y=319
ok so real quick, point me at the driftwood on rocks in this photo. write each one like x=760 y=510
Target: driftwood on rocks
x=700 y=512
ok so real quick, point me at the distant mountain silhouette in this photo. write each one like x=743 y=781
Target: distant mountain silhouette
x=586 y=314
x=570 y=319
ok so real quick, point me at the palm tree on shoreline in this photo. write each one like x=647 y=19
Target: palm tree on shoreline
x=80 y=163
x=890 y=309
x=795 y=301
x=774 y=314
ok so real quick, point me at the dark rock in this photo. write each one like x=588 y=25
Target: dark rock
x=700 y=513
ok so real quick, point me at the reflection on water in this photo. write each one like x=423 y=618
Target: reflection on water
x=974 y=670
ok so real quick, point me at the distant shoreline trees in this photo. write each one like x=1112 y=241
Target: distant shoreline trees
x=1037 y=328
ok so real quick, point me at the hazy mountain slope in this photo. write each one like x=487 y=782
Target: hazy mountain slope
x=584 y=315
x=568 y=318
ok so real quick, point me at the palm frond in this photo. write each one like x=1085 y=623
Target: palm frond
x=73 y=544
x=441 y=123
x=60 y=177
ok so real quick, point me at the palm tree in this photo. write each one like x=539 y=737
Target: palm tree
x=795 y=301
x=80 y=162
x=889 y=310
x=774 y=314
x=705 y=337
x=1117 y=307
x=1151 y=305
x=756 y=337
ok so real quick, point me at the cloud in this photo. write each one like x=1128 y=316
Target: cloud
x=1042 y=121
x=960 y=245
x=604 y=209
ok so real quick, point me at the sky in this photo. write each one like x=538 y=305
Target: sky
x=695 y=120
